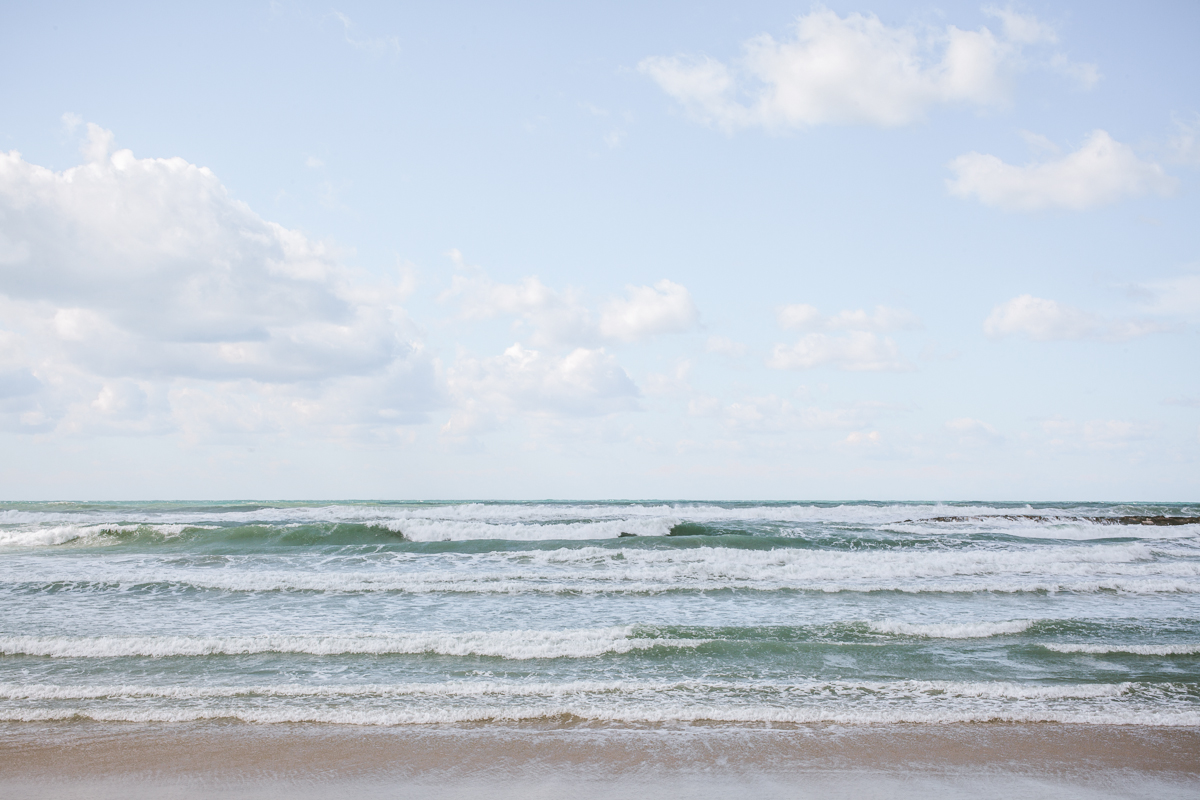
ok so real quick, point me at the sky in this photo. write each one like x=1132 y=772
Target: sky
x=717 y=251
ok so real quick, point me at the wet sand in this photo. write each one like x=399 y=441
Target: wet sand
x=215 y=759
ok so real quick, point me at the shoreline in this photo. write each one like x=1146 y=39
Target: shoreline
x=90 y=759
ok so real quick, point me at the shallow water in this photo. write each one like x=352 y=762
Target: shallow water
x=738 y=613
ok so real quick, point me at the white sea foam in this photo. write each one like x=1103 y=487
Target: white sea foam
x=57 y=534
x=1130 y=649
x=946 y=630
x=51 y=535
x=460 y=689
x=515 y=644
x=300 y=593
x=628 y=701
x=1131 y=567
x=774 y=691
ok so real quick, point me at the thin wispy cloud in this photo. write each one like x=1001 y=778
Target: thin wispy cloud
x=1045 y=320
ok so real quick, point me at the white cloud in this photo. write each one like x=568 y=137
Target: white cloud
x=852 y=69
x=1114 y=432
x=571 y=375
x=1172 y=297
x=1185 y=144
x=673 y=382
x=863 y=439
x=585 y=382
x=724 y=346
x=563 y=319
x=807 y=318
x=124 y=279
x=646 y=311
x=1100 y=172
x=1086 y=75
x=872 y=445
x=1047 y=320
x=858 y=351
x=974 y=433
x=1022 y=28
x=557 y=319
x=773 y=414
x=1038 y=143
x=1096 y=434
x=374 y=45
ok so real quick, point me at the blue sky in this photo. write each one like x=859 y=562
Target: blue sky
x=737 y=251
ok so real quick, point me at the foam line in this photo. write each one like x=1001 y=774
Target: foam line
x=975 y=630
x=1129 y=649
x=516 y=645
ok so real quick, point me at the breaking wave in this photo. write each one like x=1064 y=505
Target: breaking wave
x=366 y=523
x=1131 y=568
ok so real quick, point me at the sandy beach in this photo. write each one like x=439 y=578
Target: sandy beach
x=199 y=760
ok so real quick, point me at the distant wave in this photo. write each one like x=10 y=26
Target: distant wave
x=34 y=525
x=340 y=534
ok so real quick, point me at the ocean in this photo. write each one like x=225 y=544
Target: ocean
x=594 y=614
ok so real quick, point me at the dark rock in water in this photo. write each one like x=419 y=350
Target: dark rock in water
x=1137 y=519
x=623 y=534
x=1147 y=520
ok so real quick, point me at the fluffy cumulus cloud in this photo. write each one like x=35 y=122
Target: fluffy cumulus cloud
x=566 y=371
x=857 y=69
x=131 y=288
x=645 y=311
x=860 y=348
x=138 y=297
x=584 y=382
x=1100 y=172
x=564 y=319
x=1048 y=320
x=553 y=319
x=859 y=351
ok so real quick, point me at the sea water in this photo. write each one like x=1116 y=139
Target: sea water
x=672 y=613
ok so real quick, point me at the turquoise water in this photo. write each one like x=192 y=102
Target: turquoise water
x=676 y=612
